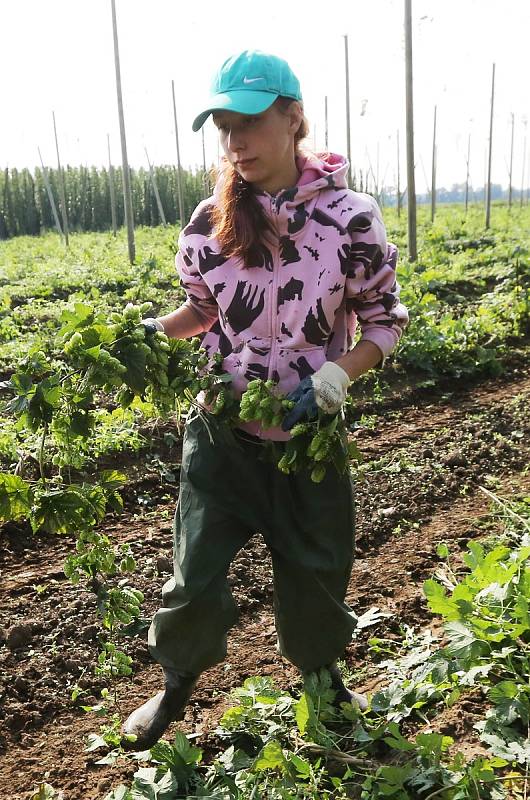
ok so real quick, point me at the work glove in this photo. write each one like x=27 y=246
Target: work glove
x=152 y=325
x=325 y=389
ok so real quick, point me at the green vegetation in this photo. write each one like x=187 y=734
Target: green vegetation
x=82 y=380
x=275 y=744
x=468 y=294
x=25 y=207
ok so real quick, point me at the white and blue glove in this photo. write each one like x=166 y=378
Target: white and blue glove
x=325 y=389
x=152 y=325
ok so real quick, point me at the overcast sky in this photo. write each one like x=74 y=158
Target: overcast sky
x=58 y=55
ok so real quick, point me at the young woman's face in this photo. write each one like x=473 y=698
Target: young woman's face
x=261 y=147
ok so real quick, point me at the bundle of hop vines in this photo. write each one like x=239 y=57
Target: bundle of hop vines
x=126 y=357
x=314 y=446
x=262 y=403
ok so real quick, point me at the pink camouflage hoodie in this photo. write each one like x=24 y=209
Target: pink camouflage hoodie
x=283 y=317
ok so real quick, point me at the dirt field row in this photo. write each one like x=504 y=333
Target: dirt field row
x=418 y=485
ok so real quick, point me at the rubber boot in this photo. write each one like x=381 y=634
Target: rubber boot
x=151 y=720
x=344 y=695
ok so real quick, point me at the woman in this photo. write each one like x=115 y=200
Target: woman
x=277 y=265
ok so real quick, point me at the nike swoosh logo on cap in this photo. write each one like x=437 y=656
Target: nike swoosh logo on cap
x=252 y=80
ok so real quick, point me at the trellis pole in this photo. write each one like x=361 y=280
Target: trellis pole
x=155 y=189
x=488 y=195
x=411 y=183
x=348 y=127
x=326 y=145
x=511 y=165
x=127 y=196
x=433 y=173
x=50 y=195
x=112 y=189
x=467 y=167
x=179 y=167
x=61 y=186
x=525 y=122
x=205 y=182
x=398 y=179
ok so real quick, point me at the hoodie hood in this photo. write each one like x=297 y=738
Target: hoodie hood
x=292 y=207
x=320 y=171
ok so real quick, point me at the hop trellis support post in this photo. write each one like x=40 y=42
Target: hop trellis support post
x=525 y=123
x=433 y=173
x=326 y=145
x=411 y=182
x=179 y=166
x=50 y=195
x=112 y=190
x=127 y=197
x=511 y=164
x=61 y=186
x=490 y=148
x=348 y=131
x=155 y=190
x=467 y=168
x=398 y=178
x=205 y=181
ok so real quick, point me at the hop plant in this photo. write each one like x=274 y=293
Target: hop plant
x=107 y=370
x=314 y=446
x=215 y=383
x=137 y=362
x=263 y=403
x=128 y=357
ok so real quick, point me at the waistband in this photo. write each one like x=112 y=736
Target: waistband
x=248 y=437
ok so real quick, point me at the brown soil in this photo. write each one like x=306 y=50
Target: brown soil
x=418 y=485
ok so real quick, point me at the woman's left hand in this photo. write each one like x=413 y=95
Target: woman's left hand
x=325 y=389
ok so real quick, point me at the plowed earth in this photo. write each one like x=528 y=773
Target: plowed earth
x=425 y=458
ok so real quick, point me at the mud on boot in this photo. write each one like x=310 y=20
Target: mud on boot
x=151 y=720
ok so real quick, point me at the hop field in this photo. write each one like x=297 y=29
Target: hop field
x=441 y=584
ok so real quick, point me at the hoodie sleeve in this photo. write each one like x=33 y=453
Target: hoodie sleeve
x=199 y=297
x=371 y=289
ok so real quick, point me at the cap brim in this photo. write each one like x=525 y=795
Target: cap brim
x=241 y=102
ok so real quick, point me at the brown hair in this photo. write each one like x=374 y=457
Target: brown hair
x=240 y=223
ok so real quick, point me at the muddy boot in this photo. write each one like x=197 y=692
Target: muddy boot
x=345 y=695
x=150 y=721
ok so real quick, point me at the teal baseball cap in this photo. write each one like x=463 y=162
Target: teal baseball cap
x=248 y=84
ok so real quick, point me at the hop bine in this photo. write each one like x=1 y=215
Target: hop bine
x=176 y=373
x=314 y=446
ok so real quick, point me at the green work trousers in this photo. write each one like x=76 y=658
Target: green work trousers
x=229 y=492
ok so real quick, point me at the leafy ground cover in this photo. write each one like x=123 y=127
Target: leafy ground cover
x=412 y=501
x=432 y=429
